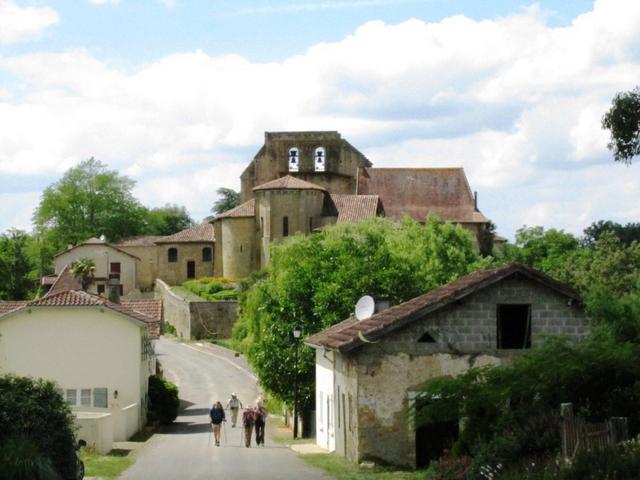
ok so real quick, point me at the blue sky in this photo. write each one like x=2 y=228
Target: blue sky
x=177 y=95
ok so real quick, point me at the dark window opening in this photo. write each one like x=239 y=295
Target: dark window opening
x=191 y=269
x=427 y=338
x=206 y=254
x=172 y=255
x=121 y=290
x=310 y=224
x=100 y=289
x=285 y=226
x=433 y=439
x=514 y=326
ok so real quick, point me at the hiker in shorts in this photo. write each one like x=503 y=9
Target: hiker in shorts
x=248 y=420
x=217 y=417
x=260 y=420
x=233 y=405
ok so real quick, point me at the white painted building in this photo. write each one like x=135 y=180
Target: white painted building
x=99 y=352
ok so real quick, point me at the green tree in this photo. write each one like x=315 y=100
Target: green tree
x=623 y=122
x=167 y=220
x=18 y=269
x=84 y=270
x=89 y=201
x=36 y=410
x=314 y=282
x=626 y=233
x=227 y=200
x=543 y=250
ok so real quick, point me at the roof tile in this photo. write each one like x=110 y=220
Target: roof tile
x=289 y=183
x=247 y=209
x=202 y=232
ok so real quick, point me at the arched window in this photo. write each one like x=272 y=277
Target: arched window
x=294 y=159
x=318 y=159
x=172 y=255
x=206 y=254
x=285 y=226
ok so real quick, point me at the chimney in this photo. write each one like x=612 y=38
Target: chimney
x=382 y=305
x=475 y=201
x=114 y=290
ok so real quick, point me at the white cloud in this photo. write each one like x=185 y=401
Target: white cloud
x=514 y=101
x=21 y=23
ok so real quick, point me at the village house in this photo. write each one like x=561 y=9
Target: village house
x=102 y=355
x=368 y=371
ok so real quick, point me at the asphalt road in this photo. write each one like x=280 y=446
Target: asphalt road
x=184 y=450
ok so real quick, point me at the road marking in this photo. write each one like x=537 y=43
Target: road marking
x=222 y=358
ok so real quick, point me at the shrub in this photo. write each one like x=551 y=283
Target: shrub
x=163 y=400
x=621 y=463
x=20 y=459
x=168 y=328
x=36 y=410
x=451 y=467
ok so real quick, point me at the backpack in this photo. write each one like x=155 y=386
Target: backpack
x=216 y=415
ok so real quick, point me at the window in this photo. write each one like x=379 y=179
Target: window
x=172 y=255
x=318 y=159
x=114 y=270
x=206 y=254
x=121 y=290
x=101 y=289
x=294 y=159
x=514 y=326
x=426 y=338
x=72 y=397
x=191 y=269
x=285 y=226
x=85 y=397
x=100 y=397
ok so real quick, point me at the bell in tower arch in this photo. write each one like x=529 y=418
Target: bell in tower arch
x=294 y=159
x=319 y=159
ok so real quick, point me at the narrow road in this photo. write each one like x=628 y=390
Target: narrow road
x=184 y=450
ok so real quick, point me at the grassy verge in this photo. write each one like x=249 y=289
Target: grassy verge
x=224 y=342
x=106 y=466
x=186 y=294
x=342 y=469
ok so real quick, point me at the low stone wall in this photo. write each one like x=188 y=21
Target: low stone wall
x=197 y=319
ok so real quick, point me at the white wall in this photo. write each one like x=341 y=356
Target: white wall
x=96 y=429
x=325 y=428
x=102 y=255
x=79 y=348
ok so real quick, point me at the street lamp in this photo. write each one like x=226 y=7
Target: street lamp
x=296 y=337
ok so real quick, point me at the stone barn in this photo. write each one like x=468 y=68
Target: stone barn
x=368 y=371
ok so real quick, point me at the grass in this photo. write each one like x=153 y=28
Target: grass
x=186 y=294
x=224 y=342
x=106 y=466
x=343 y=469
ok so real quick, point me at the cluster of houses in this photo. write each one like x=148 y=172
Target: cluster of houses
x=368 y=370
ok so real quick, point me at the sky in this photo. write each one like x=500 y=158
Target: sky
x=177 y=95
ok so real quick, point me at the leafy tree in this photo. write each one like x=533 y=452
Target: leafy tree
x=314 y=282
x=227 y=200
x=89 y=201
x=18 y=276
x=540 y=249
x=627 y=233
x=163 y=400
x=623 y=122
x=84 y=270
x=36 y=409
x=167 y=220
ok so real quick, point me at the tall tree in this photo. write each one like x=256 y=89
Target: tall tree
x=18 y=279
x=227 y=199
x=623 y=122
x=89 y=201
x=626 y=233
x=167 y=220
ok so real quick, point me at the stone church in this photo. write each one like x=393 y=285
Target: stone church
x=302 y=181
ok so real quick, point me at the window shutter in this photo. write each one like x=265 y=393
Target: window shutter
x=85 y=397
x=72 y=397
x=100 y=397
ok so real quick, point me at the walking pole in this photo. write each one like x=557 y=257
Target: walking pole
x=209 y=443
x=224 y=426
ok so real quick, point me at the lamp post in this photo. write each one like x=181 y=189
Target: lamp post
x=296 y=337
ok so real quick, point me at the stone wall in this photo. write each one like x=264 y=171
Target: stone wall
x=197 y=319
x=174 y=273
x=389 y=372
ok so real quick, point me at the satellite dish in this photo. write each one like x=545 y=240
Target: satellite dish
x=365 y=307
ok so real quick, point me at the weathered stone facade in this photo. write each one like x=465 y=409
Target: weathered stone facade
x=176 y=272
x=372 y=385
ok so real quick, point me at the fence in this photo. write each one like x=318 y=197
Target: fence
x=579 y=435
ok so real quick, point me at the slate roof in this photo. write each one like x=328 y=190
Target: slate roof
x=289 y=183
x=95 y=241
x=353 y=208
x=202 y=232
x=348 y=334
x=140 y=241
x=247 y=209
x=418 y=192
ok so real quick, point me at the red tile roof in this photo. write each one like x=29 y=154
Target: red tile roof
x=247 y=209
x=140 y=241
x=151 y=307
x=10 y=306
x=289 y=183
x=418 y=192
x=65 y=281
x=197 y=234
x=95 y=241
x=353 y=208
x=348 y=334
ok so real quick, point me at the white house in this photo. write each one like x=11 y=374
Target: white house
x=99 y=352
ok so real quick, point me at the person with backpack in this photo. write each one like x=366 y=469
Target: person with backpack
x=248 y=420
x=233 y=404
x=217 y=417
x=260 y=420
